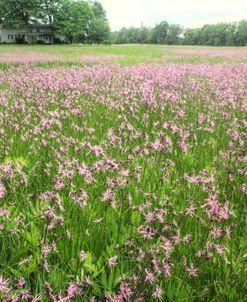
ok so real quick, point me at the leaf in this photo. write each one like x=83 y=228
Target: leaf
x=135 y=218
x=15 y=272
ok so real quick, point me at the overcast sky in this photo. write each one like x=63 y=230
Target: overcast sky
x=189 y=13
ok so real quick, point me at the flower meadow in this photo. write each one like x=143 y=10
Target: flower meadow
x=221 y=53
x=39 y=58
x=17 y=58
x=123 y=183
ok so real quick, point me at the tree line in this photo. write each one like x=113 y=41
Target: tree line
x=221 y=34
x=81 y=21
x=85 y=21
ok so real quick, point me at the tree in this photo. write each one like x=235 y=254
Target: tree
x=161 y=31
x=221 y=34
x=98 y=31
x=72 y=20
x=241 y=33
x=230 y=36
x=113 y=37
x=122 y=36
x=173 y=34
x=79 y=20
x=152 y=35
x=191 y=36
x=98 y=10
x=48 y=9
x=18 y=13
x=142 y=35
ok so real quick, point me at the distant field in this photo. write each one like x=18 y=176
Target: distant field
x=131 y=54
x=123 y=174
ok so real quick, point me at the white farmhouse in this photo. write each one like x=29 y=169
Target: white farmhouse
x=34 y=33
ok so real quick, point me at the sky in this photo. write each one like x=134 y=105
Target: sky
x=188 y=13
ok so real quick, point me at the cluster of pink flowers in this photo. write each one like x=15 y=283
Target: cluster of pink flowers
x=20 y=58
x=210 y=52
x=28 y=58
x=121 y=183
x=99 y=58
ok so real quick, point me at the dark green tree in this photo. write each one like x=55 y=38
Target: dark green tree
x=230 y=35
x=72 y=20
x=142 y=35
x=97 y=31
x=18 y=13
x=98 y=10
x=191 y=36
x=123 y=36
x=241 y=33
x=48 y=10
x=161 y=31
x=173 y=35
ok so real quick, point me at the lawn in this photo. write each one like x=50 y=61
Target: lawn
x=131 y=54
x=123 y=173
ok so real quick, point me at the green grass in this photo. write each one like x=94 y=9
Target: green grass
x=129 y=54
x=47 y=136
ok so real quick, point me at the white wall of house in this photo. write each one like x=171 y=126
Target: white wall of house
x=43 y=34
x=8 y=35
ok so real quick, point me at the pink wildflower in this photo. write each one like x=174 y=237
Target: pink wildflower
x=112 y=262
x=82 y=255
x=157 y=294
x=192 y=271
x=97 y=150
x=2 y=190
x=125 y=173
x=149 y=276
x=3 y=284
x=21 y=282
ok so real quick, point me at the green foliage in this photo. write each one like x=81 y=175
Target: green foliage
x=98 y=229
x=81 y=21
x=161 y=31
x=221 y=34
x=241 y=33
x=48 y=10
x=72 y=20
x=132 y=35
x=97 y=31
x=173 y=34
x=17 y=13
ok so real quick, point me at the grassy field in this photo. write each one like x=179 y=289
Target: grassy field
x=123 y=173
x=133 y=54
